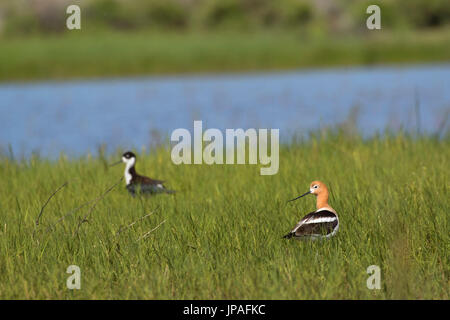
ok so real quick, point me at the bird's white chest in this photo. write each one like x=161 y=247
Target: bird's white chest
x=128 y=177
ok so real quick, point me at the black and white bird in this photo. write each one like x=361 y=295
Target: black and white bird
x=137 y=183
x=322 y=223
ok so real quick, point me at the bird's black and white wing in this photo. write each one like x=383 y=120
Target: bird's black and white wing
x=154 y=188
x=151 y=186
x=316 y=224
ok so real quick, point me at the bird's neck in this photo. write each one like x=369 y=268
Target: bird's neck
x=322 y=201
x=130 y=171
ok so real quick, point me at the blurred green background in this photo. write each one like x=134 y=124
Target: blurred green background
x=24 y=17
x=127 y=37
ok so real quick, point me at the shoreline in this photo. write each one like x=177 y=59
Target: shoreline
x=117 y=55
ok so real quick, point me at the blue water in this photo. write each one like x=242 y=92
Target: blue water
x=76 y=117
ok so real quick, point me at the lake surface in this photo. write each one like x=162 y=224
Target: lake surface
x=76 y=117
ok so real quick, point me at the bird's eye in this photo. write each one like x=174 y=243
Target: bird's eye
x=315 y=187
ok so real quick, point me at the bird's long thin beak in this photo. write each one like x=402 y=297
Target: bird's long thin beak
x=305 y=194
x=115 y=163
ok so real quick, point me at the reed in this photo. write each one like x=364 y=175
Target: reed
x=220 y=236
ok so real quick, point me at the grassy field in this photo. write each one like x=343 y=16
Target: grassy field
x=220 y=236
x=84 y=55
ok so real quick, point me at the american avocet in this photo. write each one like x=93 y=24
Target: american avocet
x=322 y=223
x=136 y=182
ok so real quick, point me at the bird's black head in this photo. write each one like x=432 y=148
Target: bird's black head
x=129 y=155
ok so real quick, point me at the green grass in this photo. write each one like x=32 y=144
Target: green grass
x=222 y=236
x=82 y=54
